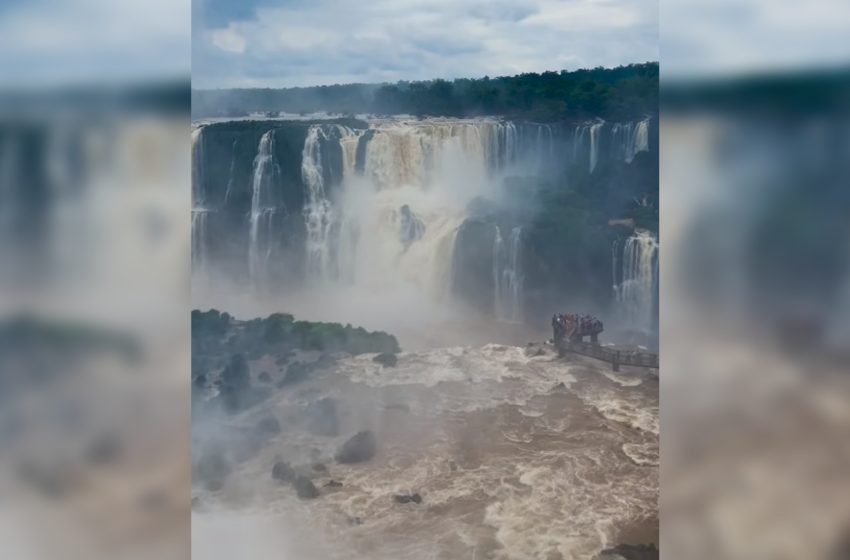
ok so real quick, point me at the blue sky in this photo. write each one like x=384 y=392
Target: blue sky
x=281 y=43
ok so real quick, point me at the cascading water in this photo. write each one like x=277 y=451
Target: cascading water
x=198 y=166
x=318 y=210
x=406 y=186
x=638 y=140
x=626 y=140
x=200 y=230
x=638 y=285
x=508 y=276
x=594 y=144
x=264 y=205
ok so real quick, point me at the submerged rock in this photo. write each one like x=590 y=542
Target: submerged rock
x=283 y=471
x=268 y=426
x=630 y=552
x=407 y=498
x=264 y=377
x=212 y=468
x=386 y=359
x=360 y=448
x=333 y=484
x=304 y=488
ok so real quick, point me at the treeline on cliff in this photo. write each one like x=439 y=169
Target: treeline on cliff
x=621 y=93
x=223 y=349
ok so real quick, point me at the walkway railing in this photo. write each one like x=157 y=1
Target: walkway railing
x=615 y=357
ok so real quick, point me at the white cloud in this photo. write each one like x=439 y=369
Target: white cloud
x=337 y=41
x=228 y=40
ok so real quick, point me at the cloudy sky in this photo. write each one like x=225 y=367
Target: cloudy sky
x=281 y=43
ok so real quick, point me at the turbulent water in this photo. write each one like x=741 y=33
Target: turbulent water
x=636 y=288
x=516 y=454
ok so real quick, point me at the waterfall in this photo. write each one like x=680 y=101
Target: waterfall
x=264 y=204
x=200 y=241
x=318 y=210
x=405 y=189
x=638 y=286
x=507 y=275
x=199 y=231
x=638 y=140
x=594 y=144
x=198 y=166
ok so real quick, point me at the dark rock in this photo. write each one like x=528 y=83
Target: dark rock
x=321 y=418
x=319 y=467
x=211 y=466
x=386 y=359
x=355 y=521
x=304 y=488
x=361 y=447
x=295 y=373
x=407 y=498
x=333 y=484
x=397 y=406
x=214 y=485
x=630 y=552
x=283 y=472
x=264 y=377
x=268 y=426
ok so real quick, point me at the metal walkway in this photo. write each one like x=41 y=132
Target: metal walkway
x=616 y=358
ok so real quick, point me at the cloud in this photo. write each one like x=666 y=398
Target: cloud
x=300 y=43
x=228 y=40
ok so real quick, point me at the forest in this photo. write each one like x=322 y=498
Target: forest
x=621 y=93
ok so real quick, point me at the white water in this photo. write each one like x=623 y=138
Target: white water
x=509 y=462
x=263 y=207
x=594 y=144
x=638 y=283
x=361 y=238
x=508 y=275
x=198 y=166
x=318 y=211
x=199 y=239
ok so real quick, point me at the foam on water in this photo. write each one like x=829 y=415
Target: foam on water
x=509 y=464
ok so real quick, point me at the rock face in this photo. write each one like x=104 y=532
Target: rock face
x=360 y=448
x=268 y=426
x=321 y=418
x=304 y=488
x=408 y=498
x=386 y=359
x=283 y=472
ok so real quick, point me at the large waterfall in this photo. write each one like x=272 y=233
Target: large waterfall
x=508 y=275
x=265 y=202
x=362 y=210
x=398 y=215
x=636 y=286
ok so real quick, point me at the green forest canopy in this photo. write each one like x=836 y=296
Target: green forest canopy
x=621 y=93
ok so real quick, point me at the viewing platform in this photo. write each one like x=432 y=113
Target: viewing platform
x=569 y=332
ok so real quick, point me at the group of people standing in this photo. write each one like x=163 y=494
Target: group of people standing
x=580 y=324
